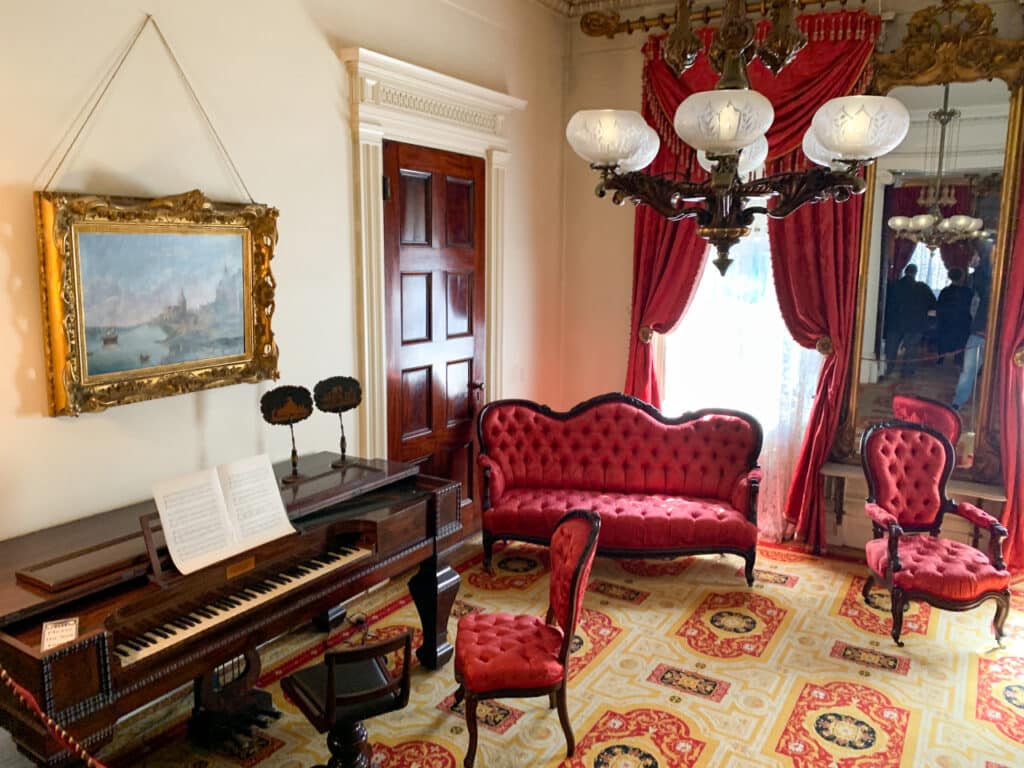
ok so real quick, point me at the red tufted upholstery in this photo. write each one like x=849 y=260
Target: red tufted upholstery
x=941 y=567
x=499 y=654
x=923 y=410
x=663 y=485
x=907 y=466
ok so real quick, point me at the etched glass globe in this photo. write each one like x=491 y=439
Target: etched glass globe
x=860 y=127
x=606 y=137
x=751 y=158
x=645 y=155
x=816 y=153
x=720 y=122
x=899 y=223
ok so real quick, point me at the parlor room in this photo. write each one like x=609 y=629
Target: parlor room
x=512 y=383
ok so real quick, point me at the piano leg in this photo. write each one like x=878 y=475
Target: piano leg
x=433 y=589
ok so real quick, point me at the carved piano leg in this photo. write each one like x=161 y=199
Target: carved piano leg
x=433 y=589
x=227 y=706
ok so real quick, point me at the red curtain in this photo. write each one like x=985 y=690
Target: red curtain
x=815 y=259
x=902 y=201
x=663 y=249
x=1010 y=403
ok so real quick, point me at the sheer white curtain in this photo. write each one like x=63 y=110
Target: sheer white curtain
x=732 y=350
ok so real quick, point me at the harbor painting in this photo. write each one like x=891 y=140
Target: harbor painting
x=152 y=299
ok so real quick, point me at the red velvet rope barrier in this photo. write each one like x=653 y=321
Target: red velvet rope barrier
x=61 y=736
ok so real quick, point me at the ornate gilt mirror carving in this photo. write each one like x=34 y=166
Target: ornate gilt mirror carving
x=963 y=86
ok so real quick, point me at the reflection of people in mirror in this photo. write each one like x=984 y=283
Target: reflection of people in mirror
x=953 y=315
x=980 y=282
x=910 y=301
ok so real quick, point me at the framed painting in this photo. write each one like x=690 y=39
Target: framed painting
x=145 y=298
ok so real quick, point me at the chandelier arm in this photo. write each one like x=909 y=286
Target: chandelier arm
x=793 y=189
x=660 y=193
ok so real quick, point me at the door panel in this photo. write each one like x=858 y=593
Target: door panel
x=434 y=283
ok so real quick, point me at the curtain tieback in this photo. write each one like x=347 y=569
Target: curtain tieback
x=645 y=334
x=1018 y=358
x=824 y=346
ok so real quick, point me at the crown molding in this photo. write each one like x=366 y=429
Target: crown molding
x=575 y=8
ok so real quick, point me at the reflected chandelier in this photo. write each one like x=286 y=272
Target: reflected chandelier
x=727 y=127
x=932 y=228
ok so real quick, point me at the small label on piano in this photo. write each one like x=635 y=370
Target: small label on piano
x=59 y=632
x=242 y=566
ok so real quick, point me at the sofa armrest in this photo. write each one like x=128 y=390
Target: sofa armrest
x=744 y=493
x=494 y=480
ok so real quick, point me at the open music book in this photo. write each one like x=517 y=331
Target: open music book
x=211 y=515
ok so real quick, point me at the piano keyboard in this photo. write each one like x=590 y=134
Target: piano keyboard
x=227 y=607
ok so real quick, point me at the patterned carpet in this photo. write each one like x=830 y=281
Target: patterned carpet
x=678 y=664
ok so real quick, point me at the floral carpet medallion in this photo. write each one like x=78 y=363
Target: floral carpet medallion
x=595 y=633
x=689 y=682
x=490 y=713
x=871 y=657
x=1000 y=695
x=421 y=754
x=771 y=577
x=844 y=725
x=655 y=567
x=732 y=624
x=638 y=738
x=875 y=617
x=617 y=591
x=782 y=554
x=515 y=567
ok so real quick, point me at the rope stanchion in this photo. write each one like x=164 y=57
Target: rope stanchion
x=61 y=736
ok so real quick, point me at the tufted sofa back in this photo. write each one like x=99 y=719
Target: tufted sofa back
x=907 y=466
x=616 y=443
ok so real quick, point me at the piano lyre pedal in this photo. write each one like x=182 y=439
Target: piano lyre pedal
x=145 y=630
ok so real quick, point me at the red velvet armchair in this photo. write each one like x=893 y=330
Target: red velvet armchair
x=499 y=655
x=907 y=466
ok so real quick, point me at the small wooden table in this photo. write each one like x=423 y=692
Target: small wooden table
x=836 y=474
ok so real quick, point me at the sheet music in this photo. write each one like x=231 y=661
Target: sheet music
x=211 y=515
x=254 y=501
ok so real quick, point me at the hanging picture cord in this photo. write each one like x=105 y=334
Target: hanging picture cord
x=195 y=97
x=61 y=736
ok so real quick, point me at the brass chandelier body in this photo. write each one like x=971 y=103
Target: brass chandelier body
x=720 y=203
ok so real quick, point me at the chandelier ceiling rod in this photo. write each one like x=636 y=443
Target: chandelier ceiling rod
x=942 y=117
x=609 y=23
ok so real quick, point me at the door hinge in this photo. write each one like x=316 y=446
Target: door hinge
x=386 y=188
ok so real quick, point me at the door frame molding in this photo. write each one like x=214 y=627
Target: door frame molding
x=392 y=99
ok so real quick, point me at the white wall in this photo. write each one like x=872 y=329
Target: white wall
x=268 y=76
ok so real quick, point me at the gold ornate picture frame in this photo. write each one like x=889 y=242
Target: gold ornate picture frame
x=145 y=298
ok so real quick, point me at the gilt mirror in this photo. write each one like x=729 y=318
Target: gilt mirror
x=936 y=228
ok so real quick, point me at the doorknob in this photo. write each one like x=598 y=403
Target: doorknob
x=477 y=388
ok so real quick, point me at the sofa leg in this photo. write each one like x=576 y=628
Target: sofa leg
x=488 y=552
x=748 y=571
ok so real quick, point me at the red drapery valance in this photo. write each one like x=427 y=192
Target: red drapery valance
x=668 y=256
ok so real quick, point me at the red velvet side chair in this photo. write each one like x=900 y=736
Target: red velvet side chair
x=931 y=413
x=907 y=466
x=499 y=655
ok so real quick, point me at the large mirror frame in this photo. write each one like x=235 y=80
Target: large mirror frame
x=954 y=42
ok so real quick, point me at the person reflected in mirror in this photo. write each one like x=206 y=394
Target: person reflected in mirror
x=953 y=316
x=910 y=302
x=980 y=283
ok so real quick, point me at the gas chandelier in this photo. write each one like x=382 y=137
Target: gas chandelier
x=727 y=127
x=932 y=228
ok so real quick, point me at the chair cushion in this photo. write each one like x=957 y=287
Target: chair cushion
x=628 y=520
x=941 y=567
x=500 y=651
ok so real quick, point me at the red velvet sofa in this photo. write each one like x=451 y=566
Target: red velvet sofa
x=663 y=487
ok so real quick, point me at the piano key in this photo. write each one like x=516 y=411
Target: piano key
x=218 y=608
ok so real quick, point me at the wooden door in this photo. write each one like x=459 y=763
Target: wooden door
x=434 y=285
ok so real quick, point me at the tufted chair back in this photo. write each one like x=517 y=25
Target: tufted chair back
x=907 y=466
x=931 y=413
x=573 y=545
x=616 y=443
